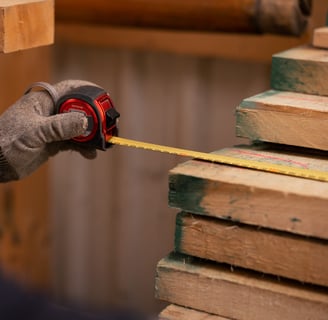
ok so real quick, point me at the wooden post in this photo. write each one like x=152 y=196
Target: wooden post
x=26 y=24
x=320 y=37
x=24 y=214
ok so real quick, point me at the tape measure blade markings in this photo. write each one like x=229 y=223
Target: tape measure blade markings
x=226 y=159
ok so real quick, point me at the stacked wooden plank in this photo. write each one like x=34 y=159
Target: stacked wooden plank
x=26 y=24
x=252 y=244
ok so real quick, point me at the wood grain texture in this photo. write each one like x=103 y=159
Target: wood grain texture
x=284 y=117
x=26 y=24
x=301 y=69
x=258 y=198
x=283 y=16
x=174 y=312
x=215 y=289
x=320 y=37
x=277 y=253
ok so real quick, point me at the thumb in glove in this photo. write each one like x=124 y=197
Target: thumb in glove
x=31 y=132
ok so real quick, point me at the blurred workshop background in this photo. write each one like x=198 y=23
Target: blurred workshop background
x=95 y=230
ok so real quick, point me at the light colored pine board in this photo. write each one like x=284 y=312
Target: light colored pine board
x=277 y=253
x=214 y=288
x=26 y=24
x=284 y=117
x=320 y=37
x=253 y=197
x=174 y=312
x=301 y=69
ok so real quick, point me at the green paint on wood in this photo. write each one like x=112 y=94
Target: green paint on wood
x=251 y=102
x=302 y=69
x=245 y=127
x=178 y=231
x=187 y=192
x=285 y=74
x=189 y=262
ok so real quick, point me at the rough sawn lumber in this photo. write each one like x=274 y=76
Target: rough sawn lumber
x=216 y=289
x=278 y=253
x=26 y=24
x=254 y=197
x=284 y=117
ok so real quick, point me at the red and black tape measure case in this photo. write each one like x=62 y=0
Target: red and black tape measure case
x=99 y=109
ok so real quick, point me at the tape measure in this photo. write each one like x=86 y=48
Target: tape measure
x=223 y=159
x=96 y=104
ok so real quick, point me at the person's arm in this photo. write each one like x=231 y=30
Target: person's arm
x=17 y=303
x=31 y=132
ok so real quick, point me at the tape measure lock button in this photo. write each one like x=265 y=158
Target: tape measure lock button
x=111 y=117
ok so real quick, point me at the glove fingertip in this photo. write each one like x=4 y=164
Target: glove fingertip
x=73 y=124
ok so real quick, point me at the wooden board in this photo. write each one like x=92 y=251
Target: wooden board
x=320 y=37
x=253 y=197
x=277 y=253
x=229 y=46
x=284 y=117
x=174 y=312
x=301 y=69
x=223 y=45
x=26 y=24
x=214 y=288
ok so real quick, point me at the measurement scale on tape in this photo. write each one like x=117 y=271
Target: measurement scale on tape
x=223 y=159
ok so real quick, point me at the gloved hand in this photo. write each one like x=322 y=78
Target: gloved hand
x=30 y=132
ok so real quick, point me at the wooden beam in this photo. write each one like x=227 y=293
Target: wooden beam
x=276 y=253
x=232 y=46
x=258 y=198
x=284 y=16
x=320 y=37
x=223 y=45
x=236 y=294
x=271 y=116
x=301 y=69
x=26 y=24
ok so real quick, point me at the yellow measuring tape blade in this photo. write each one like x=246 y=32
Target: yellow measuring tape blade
x=245 y=163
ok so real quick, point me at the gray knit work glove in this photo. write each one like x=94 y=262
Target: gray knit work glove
x=31 y=132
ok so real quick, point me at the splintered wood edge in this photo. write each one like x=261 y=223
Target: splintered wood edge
x=216 y=289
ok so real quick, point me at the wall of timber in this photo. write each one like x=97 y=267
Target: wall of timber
x=110 y=222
